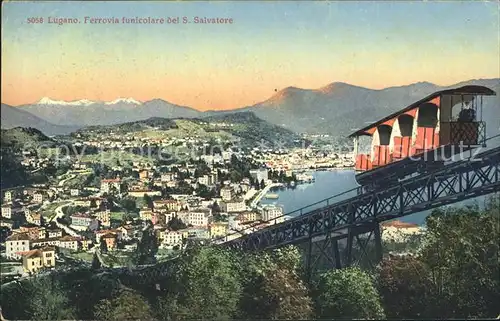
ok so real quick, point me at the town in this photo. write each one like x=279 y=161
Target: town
x=104 y=197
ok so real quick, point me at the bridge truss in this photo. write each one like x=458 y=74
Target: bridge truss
x=338 y=235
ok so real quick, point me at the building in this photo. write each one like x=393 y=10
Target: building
x=142 y=192
x=15 y=244
x=69 y=242
x=206 y=180
x=42 y=232
x=32 y=231
x=101 y=233
x=85 y=244
x=259 y=174
x=110 y=240
x=248 y=216
x=173 y=238
x=399 y=232
x=195 y=233
x=7 y=196
x=83 y=202
x=199 y=217
x=7 y=211
x=271 y=212
x=171 y=205
x=81 y=220
x=38 y=197
x=144 y=174
x=104 y=217
x=37 y=259
x=54 y=241
x=234 y=206
x=169 y=215
x=167 y=177
x=36 y=218
x=169 y=238
x=8 y=223
x=218 y=229
x=146 y=215
x=51 y=233
x=127 y=232
x=110 y=185
x=226 y=193
x=74 y=192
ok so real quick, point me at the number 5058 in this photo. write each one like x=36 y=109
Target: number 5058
x=35 y=20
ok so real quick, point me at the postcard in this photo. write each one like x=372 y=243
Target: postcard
x=249 y=159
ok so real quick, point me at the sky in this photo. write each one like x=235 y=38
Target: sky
x=269 y=46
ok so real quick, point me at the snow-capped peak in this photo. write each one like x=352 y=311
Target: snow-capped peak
x=124 y=100
x=48 y=101
x=85 y=102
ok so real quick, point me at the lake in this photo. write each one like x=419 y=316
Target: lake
x=328 y=184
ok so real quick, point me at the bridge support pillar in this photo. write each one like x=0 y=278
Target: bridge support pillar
x=350 y=236
x=378 y=242
x=336 y=253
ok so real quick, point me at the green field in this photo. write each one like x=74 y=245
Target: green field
x=117 y=215
x=118 y=258
x=48 y=152
x=78 y=180
x=81 y=256
x=49 y=210
x=6 y=268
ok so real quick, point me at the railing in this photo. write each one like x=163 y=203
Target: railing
x=463 y=133
x=295 y=214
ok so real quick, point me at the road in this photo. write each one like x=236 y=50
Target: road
x=251 y=193
x=61 y=183
x=262 y=193
x=60 y=214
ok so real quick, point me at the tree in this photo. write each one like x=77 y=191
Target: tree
x=176 y=224
x=96 y=264
x=273 y=288
x=205 y=192
x=207 y=284
x=406 y=289
x=49 y=301
x=125 y=304
x=461 y=250
x=347 y=294
x=149 y=201
x=146 y=248
x=102 y=245
x=216 y=208
x=129 y=204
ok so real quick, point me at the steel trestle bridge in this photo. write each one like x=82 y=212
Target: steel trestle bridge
x=354 y=221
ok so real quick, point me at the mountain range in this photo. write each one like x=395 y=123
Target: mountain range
x=337 y=109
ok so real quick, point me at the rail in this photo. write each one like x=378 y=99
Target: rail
x=301 y=211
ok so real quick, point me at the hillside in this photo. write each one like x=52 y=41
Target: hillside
x=20 y=138
x=244 y=127
x=253 y=129
x=13 y=143
x=150 y=123
x=15 y=117
x=339 y=108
